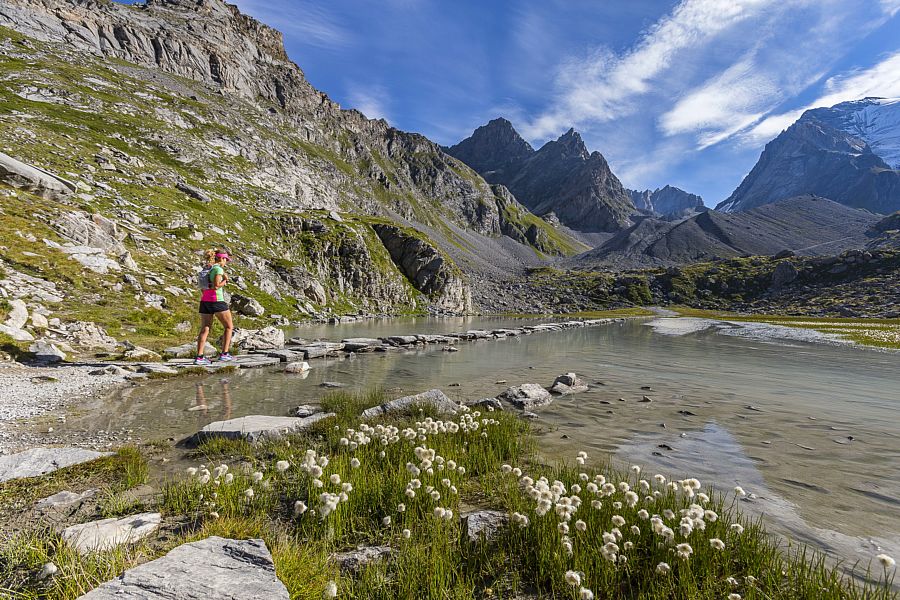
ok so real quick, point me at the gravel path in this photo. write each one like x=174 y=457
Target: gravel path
x=31 y=391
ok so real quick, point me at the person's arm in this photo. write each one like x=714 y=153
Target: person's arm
x=220 y=281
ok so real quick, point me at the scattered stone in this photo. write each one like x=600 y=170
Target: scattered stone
x=332 y=385
x=529 y=415
x=568 y=384
x=157 y=369
x=486 y=403
x=435 y=399
x=256 y=427
x=193 y=192
x=109 y=533
x=483 y=525
x=646 y=399
x=33 y=179
x=214 y=568
x=305 y=410
x=249 y=307
x=527 y=395
x=139 y=354
x=40 y=461
x=64 y=499
x=285 y=355
x=297 y=367
x=354 y=560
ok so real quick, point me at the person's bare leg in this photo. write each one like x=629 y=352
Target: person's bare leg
x=225 y=318
x=205 y=324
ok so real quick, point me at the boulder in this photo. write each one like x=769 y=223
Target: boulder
x=256 y=427
x=284 y=355
x=268 y=338
x=88 y=335
x=189 y=350
x=527 y=395
x=354 y=560
x=249 y=307
x=402 y=340
x=20 y=335
x=568 y=384
x=40 y=461
x=139 y=354
x=305 y=410
x=106 y=534
x=784 y=274
x=33 y=179
x=214 y=568
x=433 y=398
x=297 y=367
x=46 y=352
x=195 y=193
x=17 y=316
x=483 y=525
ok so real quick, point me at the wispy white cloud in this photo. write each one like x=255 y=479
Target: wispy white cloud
x=305 y=22
x=881 y=79
x=597 y=87
x=372 y=101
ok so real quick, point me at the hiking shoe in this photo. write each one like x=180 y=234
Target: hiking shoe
x=202 y=361
x=225 y=357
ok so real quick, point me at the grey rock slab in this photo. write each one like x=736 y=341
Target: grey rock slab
x=527 y=395
x=297 y=367
x=255 y=361
x=434 y=398
x=286 y=355
x=189 y=350
x=354 y=560
x=305 y=410
x=106 y=534
x=402 y=340
x=483 y=525
x=158 y=369
x=33 y=179
x=257 y=427
x=568 y=384
x=485 y=403
x=40 y=461
x=214 y=568
x=64 y=499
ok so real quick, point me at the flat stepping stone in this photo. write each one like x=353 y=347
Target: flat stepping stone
x=214 y=568
x=64 y=499
x=254 y=361
x=433 y=398
x=285 y=355
x=402 y=340
x=40 y=461
x=109 y=533
x=256 y=427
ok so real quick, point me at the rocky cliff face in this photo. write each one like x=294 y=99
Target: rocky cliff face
x=562 y=177
x=814 y=156
x=668 y=202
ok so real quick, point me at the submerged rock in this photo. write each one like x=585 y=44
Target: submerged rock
x=527 y=395
x=40 y=461
x=433 y=398
x=568 y=384
x=211 y=569
x=109 y=533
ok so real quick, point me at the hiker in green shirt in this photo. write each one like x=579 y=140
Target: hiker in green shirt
x=211 y=279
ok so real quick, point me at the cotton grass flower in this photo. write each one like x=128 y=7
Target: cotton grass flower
x=585 y=594
x=299 y=508
x=684 y=551
x=739 y=491
x=716 y=544
x=330 y=590
x=886 y=561
x=282 y=465
x=734 y=597
x=249 y=493
x=354 y=463
x=663 y=568
x=737 y=528
x=405 y=534
x=335 y=479
x=573 y=578
x=386 y=521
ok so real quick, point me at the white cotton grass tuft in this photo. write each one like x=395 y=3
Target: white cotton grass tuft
x=405 y=534
x=257 y=477
x=299 y=508
x=734 y=597
x=386 y=521
x=354 y=463
x=48 y=570
x=331 y=590
x=249 y=493
x=737 y=528
x=573 y=578
x=585 y=594
x=716 y=544
x=739 y=491
x=663 y=568
x=886 y=561
x=282 y=465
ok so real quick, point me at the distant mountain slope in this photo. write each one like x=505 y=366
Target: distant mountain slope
x=805 y=225
x=561 y=177
x=668 y=201
x=830 y=152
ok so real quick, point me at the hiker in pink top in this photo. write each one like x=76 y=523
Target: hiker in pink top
x=212 y=279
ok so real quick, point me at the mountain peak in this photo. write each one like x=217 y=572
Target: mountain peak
x=492 y=147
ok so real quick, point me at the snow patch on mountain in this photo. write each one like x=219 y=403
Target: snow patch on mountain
x=876 y=121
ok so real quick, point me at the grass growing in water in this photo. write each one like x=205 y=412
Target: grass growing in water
x=574 y=531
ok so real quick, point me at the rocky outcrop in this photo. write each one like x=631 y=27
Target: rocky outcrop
x=33 y=179
x=40 y=461
x=427 y=268
x=818 y=155
x=208 y=569
x=434 y=399
x=106 y=534
x=562 y=177
x=267 y=338
x=526 y=396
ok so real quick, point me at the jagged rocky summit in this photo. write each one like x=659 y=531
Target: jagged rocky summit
x=848 y=153
x=561 y=177
x=667 y=202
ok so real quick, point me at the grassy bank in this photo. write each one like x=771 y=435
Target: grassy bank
x=879 y=333
x=576 y=530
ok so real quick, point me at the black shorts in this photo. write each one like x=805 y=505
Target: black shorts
x=211 y=308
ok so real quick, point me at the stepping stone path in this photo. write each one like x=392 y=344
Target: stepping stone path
x=433 y=398
x=256 y=427
x=211 y=569
x=40 y=461
x=109 y=533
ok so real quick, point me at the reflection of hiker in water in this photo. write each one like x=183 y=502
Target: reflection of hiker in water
x=200 y=404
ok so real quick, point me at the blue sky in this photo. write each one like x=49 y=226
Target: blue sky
x=685 y=93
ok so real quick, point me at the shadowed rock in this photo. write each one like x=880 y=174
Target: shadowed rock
x=354 y=560
x=527 y=395
x=256 y=427
x=433 y=398
x=483 y=525
x=40 y=461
